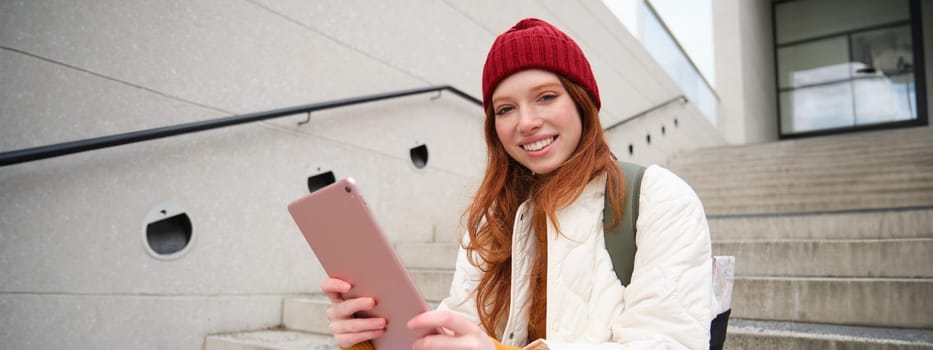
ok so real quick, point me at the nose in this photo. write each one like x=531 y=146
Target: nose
x=529 y=121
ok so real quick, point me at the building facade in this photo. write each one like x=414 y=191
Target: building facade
x=86 y=260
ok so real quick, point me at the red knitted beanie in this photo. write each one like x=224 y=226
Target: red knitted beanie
x=536 y=44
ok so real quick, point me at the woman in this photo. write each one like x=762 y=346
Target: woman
x=533 y=270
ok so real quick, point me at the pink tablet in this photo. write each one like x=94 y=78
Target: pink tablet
x=344 y=235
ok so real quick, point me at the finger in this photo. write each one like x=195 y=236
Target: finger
x=443 y=319
x=432 y=342
x=358 y=325
x=334 y=288
x=345 y=309
x=349 y=340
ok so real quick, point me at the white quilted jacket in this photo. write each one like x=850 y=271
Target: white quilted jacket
x=668 y=304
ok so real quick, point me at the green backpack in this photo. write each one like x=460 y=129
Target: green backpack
x=620 y=242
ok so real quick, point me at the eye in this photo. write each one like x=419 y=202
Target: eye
x=503 y=110
x=547 y=97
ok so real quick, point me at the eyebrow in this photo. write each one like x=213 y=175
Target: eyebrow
x=546 y=85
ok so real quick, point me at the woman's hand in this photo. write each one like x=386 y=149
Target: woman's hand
x=458 y=332
x=348 y=330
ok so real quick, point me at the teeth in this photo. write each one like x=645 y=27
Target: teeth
x=534 y=146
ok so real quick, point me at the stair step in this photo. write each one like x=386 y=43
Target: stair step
x=880 y=224
x=882 y=302
x=824 y=182
x=860 y=143
x=805 y=192
x=766 y=335
x=875 y=302
x=807 y=182
x=878 y=161
x=782 y=204
x=309 y=313
x=880 y=138
x=306 y=313
x=817 y=168
x=889 y=258
x=434 y=284
x=428 y=255
x=272 y=339
x=865 y=195
x=802 y=158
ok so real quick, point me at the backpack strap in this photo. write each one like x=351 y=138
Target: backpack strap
x=620 y=240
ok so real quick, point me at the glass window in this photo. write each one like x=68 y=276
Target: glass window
x=886 y=51
x=882 y=99
x=883 y=62
x=799 y=20
x=813 y=63
x=844 y=64
x=816 y=108
x=659 y=43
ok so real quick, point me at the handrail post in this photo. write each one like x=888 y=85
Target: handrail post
x=647 y=111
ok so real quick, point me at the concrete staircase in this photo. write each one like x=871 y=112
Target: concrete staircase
x=304 y=324
x=833 y=239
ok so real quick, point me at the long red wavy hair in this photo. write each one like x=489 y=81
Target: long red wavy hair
x=507 y=184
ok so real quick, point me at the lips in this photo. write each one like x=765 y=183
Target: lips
x=539 y=145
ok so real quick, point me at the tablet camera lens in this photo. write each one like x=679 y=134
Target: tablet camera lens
x=347 y=188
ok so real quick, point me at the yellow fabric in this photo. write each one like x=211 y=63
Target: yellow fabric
x=366 y=345
x=500 y=346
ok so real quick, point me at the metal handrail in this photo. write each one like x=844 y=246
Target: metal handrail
x=645 y=112
x=71 y=147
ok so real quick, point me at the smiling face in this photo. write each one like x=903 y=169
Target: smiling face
x=536 y=120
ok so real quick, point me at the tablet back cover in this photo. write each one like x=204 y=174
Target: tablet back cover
x=348 y=242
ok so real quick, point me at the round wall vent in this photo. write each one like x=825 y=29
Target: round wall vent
x=319 y=176
x=419 y=155
x=168 y=232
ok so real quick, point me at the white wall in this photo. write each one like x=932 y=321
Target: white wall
x=745 y=70
x=74 y=270
x=927 y=18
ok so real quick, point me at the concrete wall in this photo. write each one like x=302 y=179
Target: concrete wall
x=745 y=70
x=73 y=266
x=927 y=18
